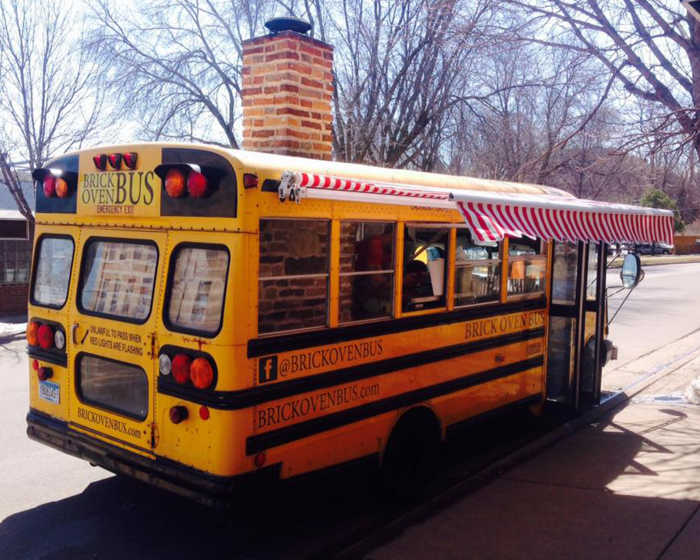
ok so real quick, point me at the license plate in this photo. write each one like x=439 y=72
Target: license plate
x=50 y=391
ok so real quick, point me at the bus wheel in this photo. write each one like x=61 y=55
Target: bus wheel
x=412 y=455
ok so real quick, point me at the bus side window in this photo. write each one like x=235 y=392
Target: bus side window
x=424 y=268
x=527 y=264
x=366 y=270
x=293 y=274
x=477 y=270
x=197 y=287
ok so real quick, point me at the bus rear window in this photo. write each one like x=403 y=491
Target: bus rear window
x=117 y=279
x=197 y=289
x=52 y=274
x=113 y=385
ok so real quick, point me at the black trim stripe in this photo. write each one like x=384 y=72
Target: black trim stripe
x=281 y=436
x=47 y=356
x=275 y=344
x=233 y=400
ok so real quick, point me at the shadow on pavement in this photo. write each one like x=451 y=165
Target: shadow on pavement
x=312 y=517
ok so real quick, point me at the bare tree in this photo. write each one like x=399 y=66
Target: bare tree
x=402 y=67
x=650 y=46
x=49 y=98
x=177 y=64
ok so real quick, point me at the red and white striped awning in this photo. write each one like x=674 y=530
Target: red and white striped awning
x=491 y=215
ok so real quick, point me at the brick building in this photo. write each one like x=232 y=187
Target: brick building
x=15 y=251
x=15 y=262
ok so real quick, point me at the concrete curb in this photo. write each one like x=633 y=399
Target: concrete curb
x=497 y=468
x=661 y=261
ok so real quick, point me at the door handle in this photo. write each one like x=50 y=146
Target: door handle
x=73 y=333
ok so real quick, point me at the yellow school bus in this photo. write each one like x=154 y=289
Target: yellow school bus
x=201 y=318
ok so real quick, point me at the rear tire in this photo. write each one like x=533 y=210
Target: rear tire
x=411 y=456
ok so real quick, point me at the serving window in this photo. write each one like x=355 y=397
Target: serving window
x=366 y=270
x=197 y=288
x=424 y=267
x=527 y=266
x=477 y=270
x=52 y=271
x=293 y=274
x=117 y=279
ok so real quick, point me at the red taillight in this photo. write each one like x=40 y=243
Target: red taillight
x=181 y=368
x=178 y=414
x=49 y=186
x=45 y=337
x=201 y=373
x=61 y=188
x=130 y=159
x=44 y=373
x=175 y=183
x=115 y=161
x=260 y=459
x=250 y=181
x=100 y=161
x=204 y=412
x=35 y=365
x=33 y=333
x=196 y=184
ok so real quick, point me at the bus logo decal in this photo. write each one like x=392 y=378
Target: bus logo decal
x=267 y=369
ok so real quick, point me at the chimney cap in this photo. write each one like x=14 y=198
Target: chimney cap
x=279 y=24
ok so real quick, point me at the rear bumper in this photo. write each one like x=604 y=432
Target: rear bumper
x=200 y=486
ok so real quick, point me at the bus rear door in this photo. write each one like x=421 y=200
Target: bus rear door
x=115 y=314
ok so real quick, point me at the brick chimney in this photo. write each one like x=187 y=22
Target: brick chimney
x=287 y=90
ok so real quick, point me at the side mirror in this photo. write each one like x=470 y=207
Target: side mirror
x=631 y=273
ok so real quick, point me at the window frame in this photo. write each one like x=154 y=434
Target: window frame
x=327 y=275
x=102 y=406
x=497 y=300
x=168 y=288
x=35 y=261
x=81 y=280
x=392 y=314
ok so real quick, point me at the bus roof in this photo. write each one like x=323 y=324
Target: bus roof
x=271 y=163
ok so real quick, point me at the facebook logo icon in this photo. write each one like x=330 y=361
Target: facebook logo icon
x=267 y=369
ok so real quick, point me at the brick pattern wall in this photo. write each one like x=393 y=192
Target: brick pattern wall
x=13 y=298
x=287 y=91
x=686 y=244
x=293 y=248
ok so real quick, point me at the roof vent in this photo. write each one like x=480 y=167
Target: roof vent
x=277 y=25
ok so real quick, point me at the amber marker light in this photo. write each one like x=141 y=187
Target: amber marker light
x=175 y=183
x=61 y=188
x=201 y=373
x=33 y=333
